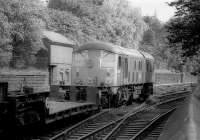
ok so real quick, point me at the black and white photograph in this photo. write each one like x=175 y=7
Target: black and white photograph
x=99 y=70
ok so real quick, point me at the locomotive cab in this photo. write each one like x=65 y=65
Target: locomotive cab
x=93 y=68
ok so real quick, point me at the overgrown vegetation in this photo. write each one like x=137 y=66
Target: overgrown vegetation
x=111 y=20
x=20 y=25
x=154 y=42
x=82 y=21
x=184 y=35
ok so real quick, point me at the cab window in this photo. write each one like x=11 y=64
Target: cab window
x=107 y=59
x=79 y=58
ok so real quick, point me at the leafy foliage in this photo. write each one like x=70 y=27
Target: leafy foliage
x=21 y=21
x=184 y=29
x=112 y=21
x=154 y=41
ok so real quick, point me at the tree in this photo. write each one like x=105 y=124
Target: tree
x=107 y=20
x=154 y=41
x=20 y=25
x=184 y=28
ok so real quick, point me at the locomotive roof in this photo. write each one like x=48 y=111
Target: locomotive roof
x=109 y=47
x=57 y=38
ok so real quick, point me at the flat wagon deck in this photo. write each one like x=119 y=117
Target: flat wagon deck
x=58 y=110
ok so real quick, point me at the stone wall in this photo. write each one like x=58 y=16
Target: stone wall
x=15 y=81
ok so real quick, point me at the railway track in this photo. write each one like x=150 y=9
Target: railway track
x=123 y=123
x=171 y=95
x=93 y=123
x=172 y=89
x=135 y=123
x=153 y=130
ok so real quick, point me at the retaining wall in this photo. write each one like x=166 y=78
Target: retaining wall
x=39 y=82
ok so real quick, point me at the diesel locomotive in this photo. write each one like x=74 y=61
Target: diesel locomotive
x=115 y=74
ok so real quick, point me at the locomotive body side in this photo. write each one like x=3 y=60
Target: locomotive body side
x=130 y=74
x=130 y=68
